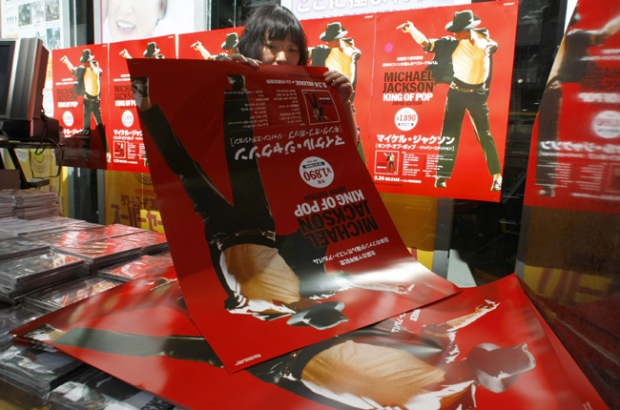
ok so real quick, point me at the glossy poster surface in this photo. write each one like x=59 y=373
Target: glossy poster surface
x=127 y=150
x=209 y=45
x=346 y=44
x=81 y=101
x=278 y=235
x=419 y=83
x=575 y=151
x=141 y=333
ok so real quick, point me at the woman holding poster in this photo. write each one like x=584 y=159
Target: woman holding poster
x=265 y=275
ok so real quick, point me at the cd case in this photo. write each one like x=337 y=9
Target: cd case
x=96 y=390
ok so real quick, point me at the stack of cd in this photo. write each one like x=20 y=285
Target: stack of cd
x=94 y=389
x=151 y=242
x=104 y=252
x=6 y=210
x=19 y=247
x=24 y=275
x=36 y=371
x=12 y=317
x=144 y=265
x=80 y=233
x=64 y=294
x=31 y=204
x=13 y=227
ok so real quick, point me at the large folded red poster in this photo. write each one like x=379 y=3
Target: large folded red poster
x=485 y=348
x=278 y=235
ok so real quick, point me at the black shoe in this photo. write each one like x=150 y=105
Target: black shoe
x=440 y=182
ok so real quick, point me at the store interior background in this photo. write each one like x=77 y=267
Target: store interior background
x=569 y=260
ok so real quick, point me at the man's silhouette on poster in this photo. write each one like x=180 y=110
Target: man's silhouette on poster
x=338 y=53
x=571 y=65
x=464 y=61
x=265 y=274
x=367 y=368
x=229 y=46
x=88 y=77
x=390 y=162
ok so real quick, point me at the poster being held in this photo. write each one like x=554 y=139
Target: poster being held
x=276 y=230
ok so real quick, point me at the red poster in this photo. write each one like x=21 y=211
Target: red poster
x=346 y=44
x=81 y=95
x=440 y=100
x=209 y=45
x=124 y=132
x=485 y=348
x=575 y=150
x=277 y=233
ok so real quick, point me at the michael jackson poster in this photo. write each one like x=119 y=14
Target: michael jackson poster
x=277 y=233
x=484 y=348
x=441 y=87
x=575 y=150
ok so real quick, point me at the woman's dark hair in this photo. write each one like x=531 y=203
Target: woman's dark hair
x=272 y=23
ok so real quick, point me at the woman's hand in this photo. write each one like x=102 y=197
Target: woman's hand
x=341 y=83
x=242 y=59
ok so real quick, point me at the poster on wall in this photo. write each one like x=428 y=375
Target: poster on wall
x=278 y=235
x=127 y=152
x=575 y=150
x=482 y=348
x=312 y=9
x=81 y=98
x=346 y=44
x=209 y=45
x=441 y=84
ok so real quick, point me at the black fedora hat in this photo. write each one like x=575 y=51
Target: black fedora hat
x=497 y=368
x=232 y=40
x=86 y=56
x=320 y=316
x=333 y=31
x=151 y=49
x=463 y=20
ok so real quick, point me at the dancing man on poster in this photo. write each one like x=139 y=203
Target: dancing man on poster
x=88 y=77
x=572 y=65
x=463 y=61
x=264 y=274
x=370 y=368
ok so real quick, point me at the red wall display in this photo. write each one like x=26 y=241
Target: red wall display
x=399 y=105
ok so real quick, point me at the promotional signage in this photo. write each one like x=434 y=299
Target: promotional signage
x=125 y=135
x=440 y=100
x=81 y=101
x=278 y=235
x=482 y=348
x=430 y=122
x=575 y=151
